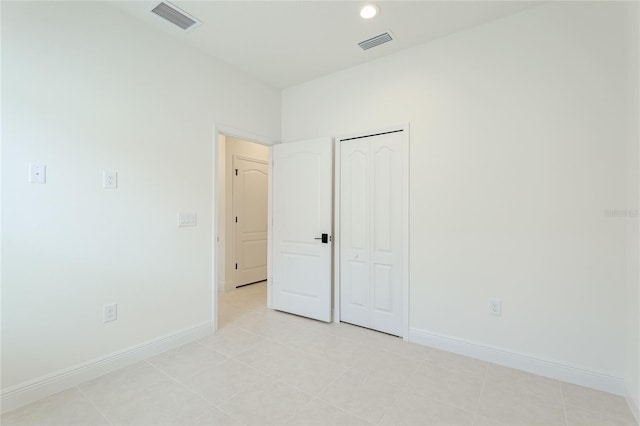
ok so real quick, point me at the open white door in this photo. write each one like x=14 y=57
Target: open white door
x=302 y=225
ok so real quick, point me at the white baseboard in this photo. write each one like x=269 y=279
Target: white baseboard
x=555 y=370
x=27 y=392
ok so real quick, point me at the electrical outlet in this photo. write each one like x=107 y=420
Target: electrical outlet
x=109 y=180
x=110 y=312
x=495 y=307
x=37 y=173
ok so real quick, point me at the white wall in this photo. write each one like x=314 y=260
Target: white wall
x=518 y=143
x=235 y=147
x=86 y=88
x=632 y=375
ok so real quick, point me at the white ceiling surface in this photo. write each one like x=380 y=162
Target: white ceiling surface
x=284 y=43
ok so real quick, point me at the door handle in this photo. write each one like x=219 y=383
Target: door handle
x=324 y=238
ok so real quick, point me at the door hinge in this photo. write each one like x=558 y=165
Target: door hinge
x=236 y=172
x=236 y=266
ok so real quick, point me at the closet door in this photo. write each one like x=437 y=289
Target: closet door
x=355 y=291
x=371 y=232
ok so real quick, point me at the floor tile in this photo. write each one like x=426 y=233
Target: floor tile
x=456 y=389
x=122 y=385
x=267 y=357
x=166 y=403
x=457 y=363
x=387 y=366
x=330 y=347
x=267 y=404
x=409 y=409
x=362 y=395
x=499 y=402
x=485 y=421
x=525 y=383
x=231 y=341
x=308 y=373
x=142 y=394
x=580 y=417
x=70 y=407
x=409 y=350
x=273 y=326
x=596 y=401
x=215 y=417
x=318 y=412
x=222 y=382
x=185 y=361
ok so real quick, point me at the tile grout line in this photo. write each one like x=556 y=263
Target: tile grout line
x=484 y=381
x=212 y=404
x=94 y=405
x=564 y=406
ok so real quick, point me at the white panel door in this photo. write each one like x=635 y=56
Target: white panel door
x=250 y=202
x=371 y=232
x=302 y=206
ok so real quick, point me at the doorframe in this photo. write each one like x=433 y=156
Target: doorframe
x=405 y=215
x=234 y=206
x=222 y=129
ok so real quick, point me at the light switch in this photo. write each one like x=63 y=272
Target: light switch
x=37 y=173
x=187 y=219
x=109 y=180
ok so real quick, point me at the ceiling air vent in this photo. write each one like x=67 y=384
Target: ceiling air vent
x=175 y=16
x=376 y=41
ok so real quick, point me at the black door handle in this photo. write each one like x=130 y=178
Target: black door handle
x=324 y=238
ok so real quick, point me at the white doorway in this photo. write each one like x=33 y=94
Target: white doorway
x=239 y=242
x=372 y=212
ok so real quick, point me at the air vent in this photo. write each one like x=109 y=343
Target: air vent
x=175 y=16
x=376 y=41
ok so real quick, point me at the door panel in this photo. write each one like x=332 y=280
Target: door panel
x=371 y=242
x=383 y=288
x=250 y=201
x=302 y=206
x=358 y=188
x=386 y=253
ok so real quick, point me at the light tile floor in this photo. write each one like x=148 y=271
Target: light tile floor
x=267 y=367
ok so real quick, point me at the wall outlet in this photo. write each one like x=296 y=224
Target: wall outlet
x=495 y=307
x=37 y=173
x=109 y=180
x=110 y=312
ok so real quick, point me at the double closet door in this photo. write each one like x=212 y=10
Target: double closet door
x=371 y=231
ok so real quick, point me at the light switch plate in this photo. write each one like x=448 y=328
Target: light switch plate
x=37 y=173
x=187 y=219
x=110 y=180
x=495 y=307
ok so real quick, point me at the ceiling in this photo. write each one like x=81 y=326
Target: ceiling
x=284 y=43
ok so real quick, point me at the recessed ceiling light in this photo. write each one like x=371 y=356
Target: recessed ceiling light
x=369 y=11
